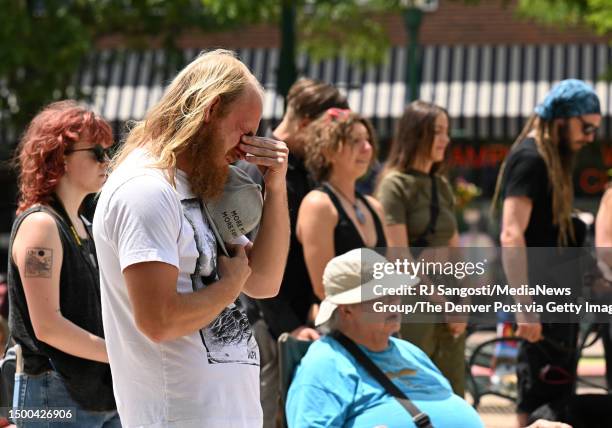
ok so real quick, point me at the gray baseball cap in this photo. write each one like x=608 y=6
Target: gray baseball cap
x=238 y=210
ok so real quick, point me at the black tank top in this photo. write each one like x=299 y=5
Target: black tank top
x=346 y=235
x=88 y=382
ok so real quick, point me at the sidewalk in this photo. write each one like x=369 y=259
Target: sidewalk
x=498 y=412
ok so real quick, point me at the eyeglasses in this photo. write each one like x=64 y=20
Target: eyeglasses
x=587 y=127
x=100 y=153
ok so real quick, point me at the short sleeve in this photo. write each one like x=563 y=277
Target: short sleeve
x=323 y=389
x=311 y=407
x=143 y=220
x=523 y=175
x=447 y=193
x=394 y=193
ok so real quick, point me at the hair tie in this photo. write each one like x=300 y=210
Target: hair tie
x=336 y=113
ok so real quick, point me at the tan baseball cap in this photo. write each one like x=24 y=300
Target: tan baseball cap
x=349 y=278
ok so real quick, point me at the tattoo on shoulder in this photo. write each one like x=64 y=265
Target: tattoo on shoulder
x=38 y=262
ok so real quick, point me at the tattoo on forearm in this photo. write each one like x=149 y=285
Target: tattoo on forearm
x=38 y=262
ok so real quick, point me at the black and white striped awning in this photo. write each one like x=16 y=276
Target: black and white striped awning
x=488 y=90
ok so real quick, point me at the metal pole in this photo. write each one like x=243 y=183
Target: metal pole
x=287 y=70
x=412 y=22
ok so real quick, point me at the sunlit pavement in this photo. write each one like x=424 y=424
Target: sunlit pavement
x=498 y=412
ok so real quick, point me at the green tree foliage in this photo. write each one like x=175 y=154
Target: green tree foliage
x=39 y=50
x=325 y=27
x=328 y=28
x=594 y=14
x=42 y=42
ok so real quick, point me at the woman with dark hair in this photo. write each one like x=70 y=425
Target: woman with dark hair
x=336 y=218
x=419 y=206
x=53 y=278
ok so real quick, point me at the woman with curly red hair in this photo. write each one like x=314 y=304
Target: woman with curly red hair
x=54 y=294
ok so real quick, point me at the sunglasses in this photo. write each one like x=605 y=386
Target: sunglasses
x=100 y=153
x=587 y=128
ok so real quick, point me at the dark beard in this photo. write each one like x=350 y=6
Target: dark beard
x=210 y=170
x=566 y=155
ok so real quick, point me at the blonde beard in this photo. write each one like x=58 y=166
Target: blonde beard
x=210 y=168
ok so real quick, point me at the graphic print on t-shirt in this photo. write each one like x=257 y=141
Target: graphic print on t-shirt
x=228 y=339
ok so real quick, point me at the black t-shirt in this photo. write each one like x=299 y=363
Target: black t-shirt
x=289 y=309
x=526 y=175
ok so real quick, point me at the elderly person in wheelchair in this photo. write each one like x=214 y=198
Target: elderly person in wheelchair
x=333 y=386
x=359 y=375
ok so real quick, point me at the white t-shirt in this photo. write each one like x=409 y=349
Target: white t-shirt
x=207 y=378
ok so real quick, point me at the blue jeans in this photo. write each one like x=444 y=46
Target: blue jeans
x=47 y=391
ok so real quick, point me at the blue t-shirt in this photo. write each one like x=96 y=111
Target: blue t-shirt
x=331 y=389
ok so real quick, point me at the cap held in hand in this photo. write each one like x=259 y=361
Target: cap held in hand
x=238 y=210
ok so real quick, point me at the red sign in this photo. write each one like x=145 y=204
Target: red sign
x=591 y=180
x=489 y=155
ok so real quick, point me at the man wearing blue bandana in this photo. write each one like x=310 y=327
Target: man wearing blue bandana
x=535 y=187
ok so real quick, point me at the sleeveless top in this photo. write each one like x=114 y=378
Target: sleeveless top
x=346 y=235
x=88 y=382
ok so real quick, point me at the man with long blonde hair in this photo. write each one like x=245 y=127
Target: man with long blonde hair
x=181 y=353
x=535 y=186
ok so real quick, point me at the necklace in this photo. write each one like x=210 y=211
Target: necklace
x=76 y=236
x=88 y=253
x=361 y=218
